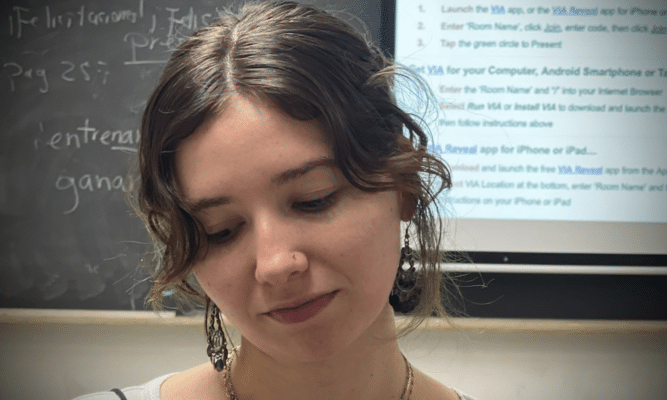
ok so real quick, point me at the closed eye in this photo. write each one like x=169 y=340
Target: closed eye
x=310 y=206
x=317 y=205
x=224 y=235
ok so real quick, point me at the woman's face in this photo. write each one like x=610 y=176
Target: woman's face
x=299 y=260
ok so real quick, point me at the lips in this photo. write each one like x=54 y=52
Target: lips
x=302 y=312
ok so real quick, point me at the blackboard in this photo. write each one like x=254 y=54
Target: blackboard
x=75 y=76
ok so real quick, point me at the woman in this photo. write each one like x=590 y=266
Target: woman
x=275 y=171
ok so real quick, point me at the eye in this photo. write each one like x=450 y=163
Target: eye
x=317 y=205
x=225 y=235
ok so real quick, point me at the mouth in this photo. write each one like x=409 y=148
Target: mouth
x=303 y=311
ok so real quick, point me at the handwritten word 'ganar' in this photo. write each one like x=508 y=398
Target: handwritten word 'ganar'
x=90 y=183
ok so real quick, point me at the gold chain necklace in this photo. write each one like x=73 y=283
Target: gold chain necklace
x=229 y=386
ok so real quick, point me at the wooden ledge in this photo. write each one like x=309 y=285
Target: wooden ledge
x=471 y=325
x=92 y=317
x=545 y=326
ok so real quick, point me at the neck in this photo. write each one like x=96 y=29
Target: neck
x=372 y=367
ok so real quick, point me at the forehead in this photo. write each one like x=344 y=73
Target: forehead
x=250 y=140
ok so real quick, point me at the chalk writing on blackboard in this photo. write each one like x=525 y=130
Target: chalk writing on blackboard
x=74 y=79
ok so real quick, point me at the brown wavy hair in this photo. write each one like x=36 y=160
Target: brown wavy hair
x=312 y=66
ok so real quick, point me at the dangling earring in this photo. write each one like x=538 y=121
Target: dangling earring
x=404 y=295
x=215 y=337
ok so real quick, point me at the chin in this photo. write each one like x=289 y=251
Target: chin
x=327 y=342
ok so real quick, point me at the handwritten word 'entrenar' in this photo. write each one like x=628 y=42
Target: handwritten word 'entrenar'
x=122 y=140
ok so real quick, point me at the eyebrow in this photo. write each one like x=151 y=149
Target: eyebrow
x=279 y=179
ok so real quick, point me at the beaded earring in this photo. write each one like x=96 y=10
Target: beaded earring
x=215 y=337
x=405 y=293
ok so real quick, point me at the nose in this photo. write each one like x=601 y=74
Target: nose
x=278 y=257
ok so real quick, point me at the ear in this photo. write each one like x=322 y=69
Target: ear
x=408 y=203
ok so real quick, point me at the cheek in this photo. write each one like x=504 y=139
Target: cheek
x=218 y=283
x=371 y=246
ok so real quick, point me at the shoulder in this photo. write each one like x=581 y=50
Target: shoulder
x=147 y=391
x=464 y=396
x=427 y=388
x=201 y=382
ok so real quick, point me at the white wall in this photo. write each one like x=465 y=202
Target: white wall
x=62 y=360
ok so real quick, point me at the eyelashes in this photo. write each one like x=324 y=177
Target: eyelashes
x=224 y=235
x=319 y=205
